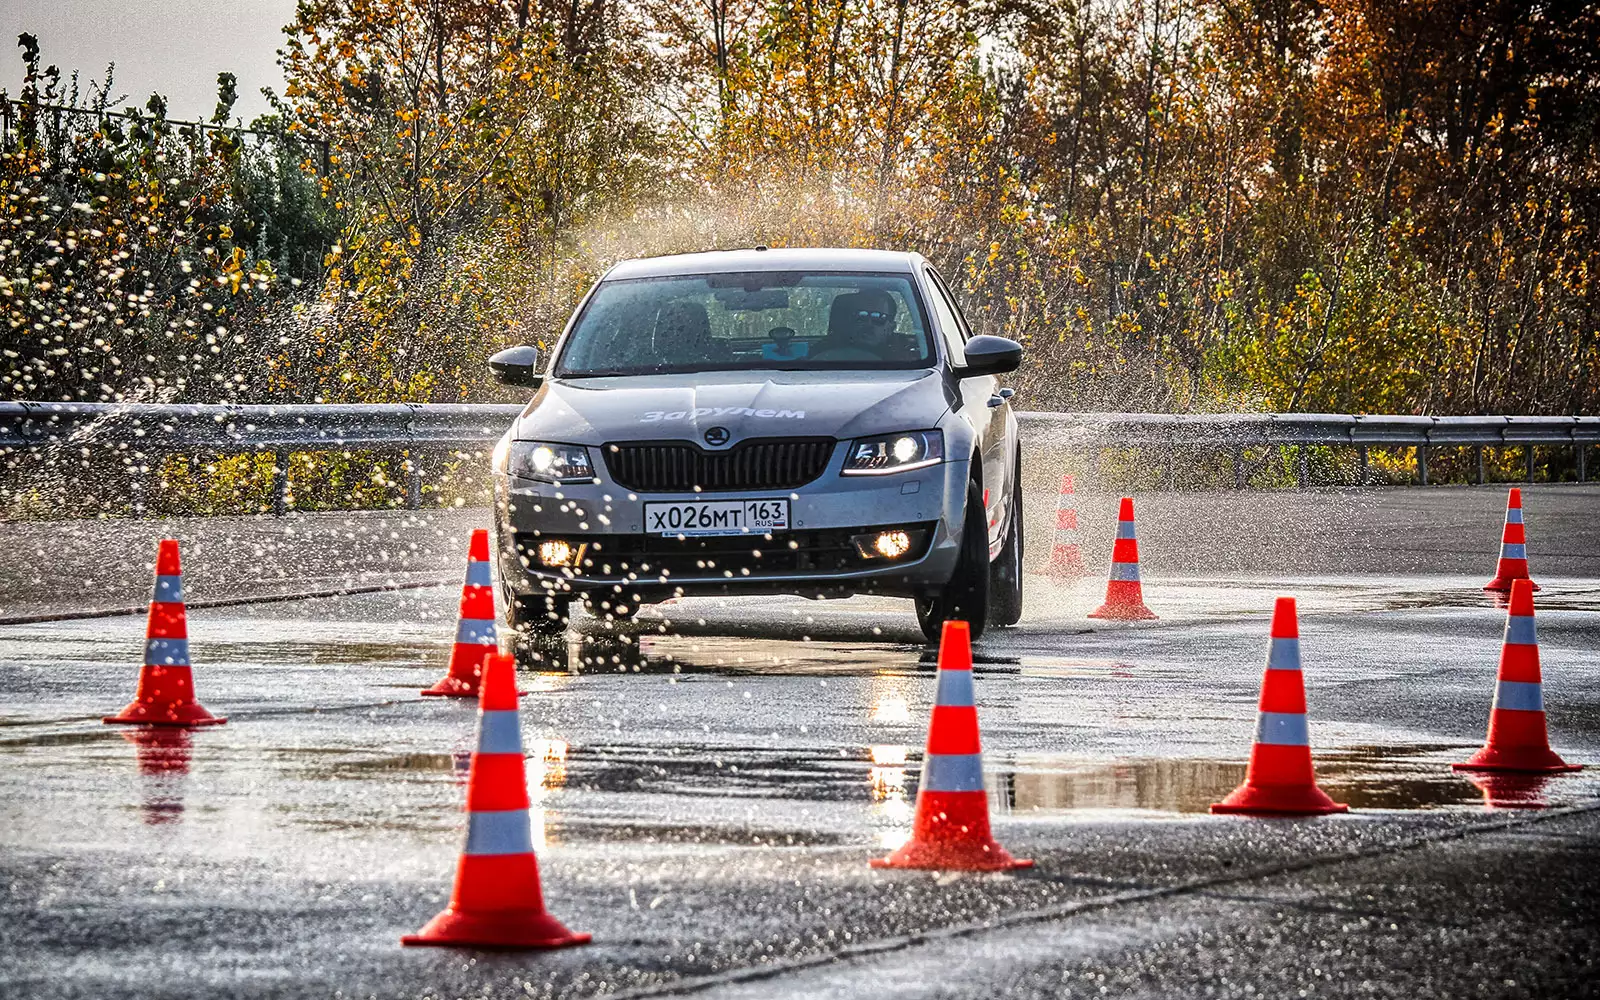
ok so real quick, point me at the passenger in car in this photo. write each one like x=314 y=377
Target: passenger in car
x=682 y=336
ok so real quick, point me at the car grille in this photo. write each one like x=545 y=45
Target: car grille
x=680 y=466
x=657 y=560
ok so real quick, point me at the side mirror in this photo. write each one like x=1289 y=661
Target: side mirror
x=517 y=366
x=989 y=355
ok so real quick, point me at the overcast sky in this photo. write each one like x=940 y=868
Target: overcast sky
x=173 y=47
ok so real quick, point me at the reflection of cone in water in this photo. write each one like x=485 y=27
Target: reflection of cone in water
x=1124 y=594
x=163 y=755
x=475 y=632
x=1513 y=563
x=1510 y=790
x=1518 y=740
x=1280 y=780
x=165 y=696
x=497 y=901
x=1066 y=561
x=951 y=828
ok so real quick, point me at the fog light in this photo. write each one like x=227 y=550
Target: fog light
x=555 y=552
x=892 y=544
x=889 y=544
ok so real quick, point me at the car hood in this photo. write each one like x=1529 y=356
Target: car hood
x=746 y=404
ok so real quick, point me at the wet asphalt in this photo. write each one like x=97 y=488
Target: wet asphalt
x=710 y=781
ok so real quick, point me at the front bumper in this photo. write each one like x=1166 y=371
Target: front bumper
x=815 y=558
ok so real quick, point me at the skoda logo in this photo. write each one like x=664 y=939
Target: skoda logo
x=716 y=436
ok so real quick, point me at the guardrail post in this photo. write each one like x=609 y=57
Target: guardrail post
x=1529 y=453
x=1582 y=455
x=1422 y=463
x=139 y=485
x=1361 y=466
x=1305 y=466
x=413 y=484
x=280 y=483
x=1238 y=467
x=1477 y=454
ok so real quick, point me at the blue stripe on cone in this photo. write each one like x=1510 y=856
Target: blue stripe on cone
x=1282 y=729
x=499 y=732
x=952 y=773
x=502 y=832
x=1283 y=654
x=1520 y=696
x=1520 y=631
x=166 y=652
x=955 y=688
x=476 y=632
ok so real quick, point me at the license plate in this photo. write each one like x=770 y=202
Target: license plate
x=716 y=517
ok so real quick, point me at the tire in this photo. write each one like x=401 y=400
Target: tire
x=1005 y=573
x=966 y=596
x=539 y=614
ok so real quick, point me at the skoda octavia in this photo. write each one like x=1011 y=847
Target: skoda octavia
x=807 y=421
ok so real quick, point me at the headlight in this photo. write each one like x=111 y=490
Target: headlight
x=878 y=456
x=550 y=463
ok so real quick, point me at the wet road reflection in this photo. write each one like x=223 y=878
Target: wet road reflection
x=162 y=755
x=1512 y=791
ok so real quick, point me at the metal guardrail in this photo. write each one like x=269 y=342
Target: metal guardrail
x=156 y=429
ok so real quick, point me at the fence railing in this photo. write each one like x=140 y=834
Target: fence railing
x=158 y=429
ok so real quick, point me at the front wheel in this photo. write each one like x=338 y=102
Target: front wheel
x=539 y=614
x=1005 y=586
x=966 y=596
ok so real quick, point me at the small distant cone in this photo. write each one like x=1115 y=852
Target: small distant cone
x=1280 y=780
x=476 y=639
x=165 y=696
x=497 y=901
x=1124 y=594
x=1513 y=563
x=1066 y=561
x=1517 y=738
x=951 y=828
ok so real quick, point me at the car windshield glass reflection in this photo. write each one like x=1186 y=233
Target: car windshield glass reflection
x=797 y=321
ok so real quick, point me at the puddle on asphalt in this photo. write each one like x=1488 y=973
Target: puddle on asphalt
x=1363 y=777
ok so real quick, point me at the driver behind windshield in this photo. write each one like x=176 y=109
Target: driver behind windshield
x=861 y=328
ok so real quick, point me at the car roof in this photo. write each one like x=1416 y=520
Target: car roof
x=775 y=259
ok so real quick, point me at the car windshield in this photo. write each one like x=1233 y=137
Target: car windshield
x=796 y=321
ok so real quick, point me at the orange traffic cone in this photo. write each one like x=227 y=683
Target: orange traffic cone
x=1279 y=780
x=1517 y=737
x=1513 y=563
x=476 y=639
x=497 y=902
x=1124 y=595
x=1066 y=562
x=951 y=828
x=166 y=683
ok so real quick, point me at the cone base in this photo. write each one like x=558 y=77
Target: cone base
x=1519 y=760
x=1123 y=613
x=173 y=716
x=1502 y=584
x=1278 y=800
x=964 y=856
x=452 y=687
x=495 y=929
